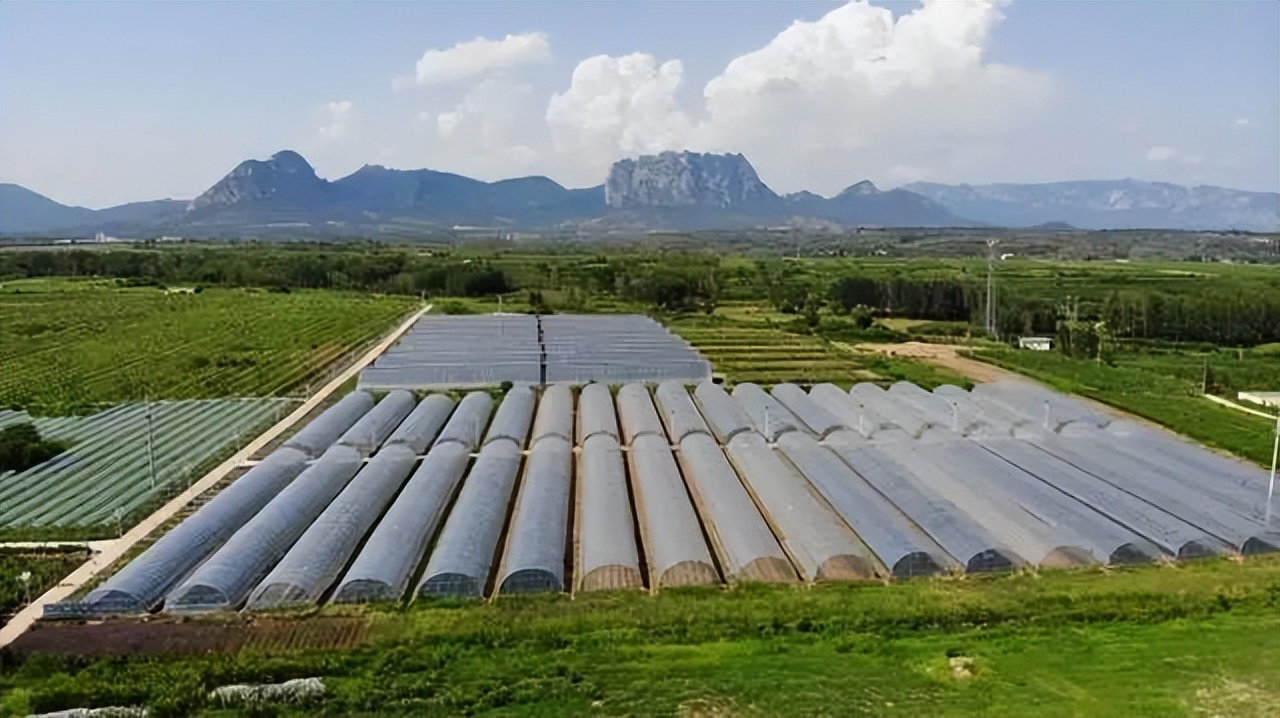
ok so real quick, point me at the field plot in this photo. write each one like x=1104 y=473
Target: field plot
x=69 y=345
x=749 y=344
x=121 y=458
x=753 y=486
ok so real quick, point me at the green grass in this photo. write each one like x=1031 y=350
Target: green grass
x=1164 y=388
x=66 y=345
x=1199 y=639
x=46 y=569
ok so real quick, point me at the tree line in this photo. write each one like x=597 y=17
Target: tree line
x=678 y=281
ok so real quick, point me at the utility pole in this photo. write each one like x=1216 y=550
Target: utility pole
x=151 y=443
x=1271 y=485
x=991 y=286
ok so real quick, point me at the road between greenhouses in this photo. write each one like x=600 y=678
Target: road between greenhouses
x=110 y=551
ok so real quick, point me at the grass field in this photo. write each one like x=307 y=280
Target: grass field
x=1164 y=387
x=1200 y=639
x=46 y=569
x=66 y=345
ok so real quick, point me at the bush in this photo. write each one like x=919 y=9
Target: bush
x=22 y=447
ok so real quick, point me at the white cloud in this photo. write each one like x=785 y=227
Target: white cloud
x=1241 y=122
x=1165 y=153
x=476 y=58
x=338 y=120
x=823 y=104
x=617 y=106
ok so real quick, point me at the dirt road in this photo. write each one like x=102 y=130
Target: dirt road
x=946 y=356
x=110 y=551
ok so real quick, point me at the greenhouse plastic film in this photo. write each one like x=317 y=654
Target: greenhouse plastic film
x=637 y=413
x=512 y=419
x=959 y=534
x=901 y=545
x=313 y=563
x=141 y=584
x=385 y=565
x=678 y=412
x=223 y=581
x=607 y=556
x=1050 y=409
x=1161 y=527
x=367 y=434
x=876 y=401
x=843 y=407
x=596 y=413
x=818 y=541
x=818 y=420
x=468 y=421
x=422 y=426
x=1070 y=522
x=540 y=523
x=769 y=417
x=555 y=414
x=463 y=556
x=965 y=478
x=721 y=412
x=741 y=538
x=940 y=410
x=1239 y=528
x=324 y=430
x=673 y=543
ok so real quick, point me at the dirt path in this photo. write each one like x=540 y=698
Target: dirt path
x=946 y=356
x=110 y=551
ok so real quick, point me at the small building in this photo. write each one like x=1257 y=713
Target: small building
x=1038 y=344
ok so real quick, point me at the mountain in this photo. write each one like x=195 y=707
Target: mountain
x=23 y=211
x=688 y=179
x=670 y=191
x=865 y=204
x=1117 y=204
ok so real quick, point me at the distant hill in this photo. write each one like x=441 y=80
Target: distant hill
x=667 y=191
x=24 y=211
x=1109 y=204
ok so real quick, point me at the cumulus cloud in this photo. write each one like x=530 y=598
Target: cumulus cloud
x=476 y=58
x=853 y=94
x=338 y=119
x=619 y=106
x=1165 y=153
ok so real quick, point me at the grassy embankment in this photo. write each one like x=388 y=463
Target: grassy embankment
x=1196 y=640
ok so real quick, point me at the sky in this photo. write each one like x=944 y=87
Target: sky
x=110 y=102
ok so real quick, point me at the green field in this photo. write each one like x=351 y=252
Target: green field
x=68 y=345
x=46 y=569
x=750 y=343
x=1201 y=639
x=1165 y=387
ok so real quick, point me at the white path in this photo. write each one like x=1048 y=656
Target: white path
x=109 y=551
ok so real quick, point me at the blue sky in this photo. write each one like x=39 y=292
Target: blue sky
x=102 y=103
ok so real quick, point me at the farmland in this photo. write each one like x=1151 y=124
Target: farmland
x=66 y=346
x=46 y=568
x=1194 y=638
x=1086 y=642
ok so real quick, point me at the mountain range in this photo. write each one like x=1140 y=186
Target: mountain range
x=671 y=190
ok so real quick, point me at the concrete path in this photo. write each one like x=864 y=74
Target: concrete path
x=111 y=551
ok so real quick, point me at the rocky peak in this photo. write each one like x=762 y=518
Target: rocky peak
x=865 y=187
x=286 y=176
x=685 y=179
